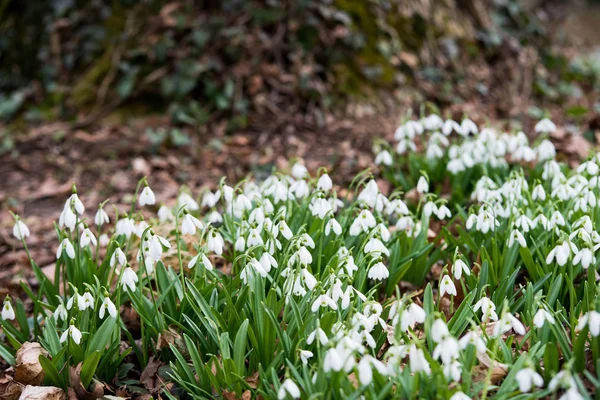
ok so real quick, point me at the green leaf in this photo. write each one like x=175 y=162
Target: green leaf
x=89 y=368
x=52 y=375
x=239 y=347
x=102 y=337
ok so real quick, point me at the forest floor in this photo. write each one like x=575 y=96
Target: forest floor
x=107 y=160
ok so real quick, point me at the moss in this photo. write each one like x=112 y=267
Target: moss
x=84 y=91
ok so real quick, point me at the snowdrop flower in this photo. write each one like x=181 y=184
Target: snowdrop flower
x=324 y=183
x=459 y=267
x=60 y=313
x=317 y=334
x=453 y=370
x=67 y=218
x=333 y=225
x=164 y=214
x=187 y=202
x=451 y=125
x=86 y=301
x=73 y=332
x=472 y=338
x=362 y=223
x=101 y=217
x=592 y=320
x=215 y=242
x=288 y=387
x=460 y=396
x=541 y=316
x=67 y=247
x=508 y=322
x=443 y=212
x=146 y=197
x=8 y=313
x=585 y=256
x=422 y=185
x=20 y=230
x=561 y=253
x=107 y=305
x=128 y=279
x=333 y=361
x=383 y=157
x=189 y=224
x=87 y=238
x=527 y=378
x=118 y=257
x=488 y=309
x=447 y=286
x=205 y=261
x=467 y=127
x=299 y=171
x=74 y=202
x=429 y=208
x=375 y=248
x=305 y=355
x=210 y=199
x=571 y=394
x=323 y=301
x=538 y=193
x=414 y=314
x=320 y=207
x=545 y=126
x=378 y=272
x=125 y=226
x=418 y=362
x=517 y=236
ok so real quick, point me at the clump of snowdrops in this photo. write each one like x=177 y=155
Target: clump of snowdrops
x=284 y=289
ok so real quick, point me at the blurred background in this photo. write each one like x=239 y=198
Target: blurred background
x=102 y=93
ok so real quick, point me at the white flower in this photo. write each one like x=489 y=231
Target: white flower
x=561 y=252
x=592 y=320
x=60 y=313
x=460 y=396
x=472 y=338
x=383 y=157
x=585 y=256
x=146 y=197
x=378 y=272
x=87 y=238
x=443 y=212
x=288 y=387
x=318 y=334
x=517 y=236
x=215 y=242
x=67 y=247
x=439 y=330
x=20 y=230
x=164 y=214
x=527 y=378
x=73 y=332
x=468 y=126
x=545 y=126
x=418 y=362
x=8 y=313
x=362 y=223
x=189 y=225
x=488 y=309
x=507 y=322
x=459 y=267
x=101 y=217
x=323 y=301
x=447 y=286
x=538 y=193
x=324 y=183
x=333 y=361
x=107 y=305
x=299 y=171
x=332 y=224
x=186 y=201
x=542 y=316
x=128 y=279
x=571 y=394
x=74 y=202
x=305 y=355
x=422 y=185
x=118 y=257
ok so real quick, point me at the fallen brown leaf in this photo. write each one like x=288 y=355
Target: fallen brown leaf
x=28 y=369
x=42 y=393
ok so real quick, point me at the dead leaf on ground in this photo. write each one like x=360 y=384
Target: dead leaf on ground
x=149 y=377
x=28 y=369
x=42 y=393
x=10 y=390
x=82 y=392
x=482 y=370
x=578 y=145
